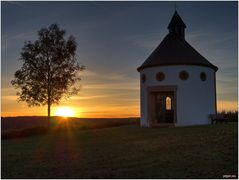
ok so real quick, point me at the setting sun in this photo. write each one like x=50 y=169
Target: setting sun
x=65 y=112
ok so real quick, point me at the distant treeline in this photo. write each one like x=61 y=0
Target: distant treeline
x=20 y=123
x=18 y=127
x=231 y=115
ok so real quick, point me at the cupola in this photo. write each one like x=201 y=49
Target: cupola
x=176 y=26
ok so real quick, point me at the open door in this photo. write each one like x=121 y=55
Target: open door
x=162 y=105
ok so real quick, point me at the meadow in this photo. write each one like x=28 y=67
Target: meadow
x=123 y=151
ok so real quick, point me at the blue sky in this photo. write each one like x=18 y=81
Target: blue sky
x=114 y=38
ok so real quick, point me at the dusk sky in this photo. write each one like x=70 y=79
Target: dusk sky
x=114 y=38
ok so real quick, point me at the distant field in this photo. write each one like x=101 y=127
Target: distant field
x=208 y=151
x=19 y=123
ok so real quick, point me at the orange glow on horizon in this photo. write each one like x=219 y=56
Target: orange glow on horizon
x=94 y=110
x=65 y=112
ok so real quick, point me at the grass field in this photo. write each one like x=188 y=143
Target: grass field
x=208 y=151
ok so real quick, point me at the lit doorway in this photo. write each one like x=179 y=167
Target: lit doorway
x=161 y=105
x=164 y=107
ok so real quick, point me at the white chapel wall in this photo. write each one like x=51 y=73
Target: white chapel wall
x=195 y=98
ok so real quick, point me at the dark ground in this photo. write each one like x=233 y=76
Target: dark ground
x=208 y=151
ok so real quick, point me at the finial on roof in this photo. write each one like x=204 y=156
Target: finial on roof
x=175 y=6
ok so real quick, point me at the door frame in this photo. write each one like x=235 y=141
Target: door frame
x=151 y=91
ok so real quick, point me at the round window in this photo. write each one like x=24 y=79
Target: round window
x=203 y=76
x=183 y=75
x=160 y=76
x=143 y=78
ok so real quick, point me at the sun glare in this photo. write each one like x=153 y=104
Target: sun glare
x=65 y=112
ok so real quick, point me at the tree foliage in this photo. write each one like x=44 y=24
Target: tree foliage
x=50 y=69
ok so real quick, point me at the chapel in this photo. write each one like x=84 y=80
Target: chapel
x=177 y=84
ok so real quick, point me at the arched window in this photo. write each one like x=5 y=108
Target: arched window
x=168 y=103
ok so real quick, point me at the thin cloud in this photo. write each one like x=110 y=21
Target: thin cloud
x=88 y=97
x=146 y=41
x=8 y=41
x=9 y=98
x=112 y=86
x=14 y=3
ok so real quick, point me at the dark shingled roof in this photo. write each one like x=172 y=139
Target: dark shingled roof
x=174 y=50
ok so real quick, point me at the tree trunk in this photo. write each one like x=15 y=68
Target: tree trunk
x=48 y=93
x=48 y=115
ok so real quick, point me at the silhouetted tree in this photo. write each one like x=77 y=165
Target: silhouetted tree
x=50 y=69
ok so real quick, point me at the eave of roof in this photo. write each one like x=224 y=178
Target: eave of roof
x=175 y=51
